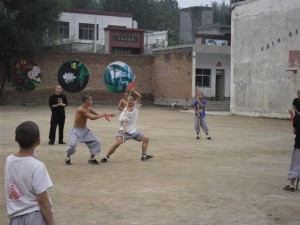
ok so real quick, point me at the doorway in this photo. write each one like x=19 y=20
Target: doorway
x=220 y=84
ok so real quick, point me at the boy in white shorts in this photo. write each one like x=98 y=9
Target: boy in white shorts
x=128 y=119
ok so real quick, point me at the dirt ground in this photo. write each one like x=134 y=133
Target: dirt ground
x=234 y=179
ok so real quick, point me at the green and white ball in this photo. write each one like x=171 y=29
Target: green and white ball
x=117 y=76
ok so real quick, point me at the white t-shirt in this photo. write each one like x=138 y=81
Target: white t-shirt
x=25 y=178
x=130 y=118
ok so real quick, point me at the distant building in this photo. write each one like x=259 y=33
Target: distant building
x=190 y=20
x=84 y=30
x=155 y=39
x=124 y=41
x=212 y=49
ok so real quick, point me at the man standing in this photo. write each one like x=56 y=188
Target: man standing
x=57 y=103
x=296 y=106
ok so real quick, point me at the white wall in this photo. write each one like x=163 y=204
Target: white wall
x=260 y=84
x=209 y=61
x=156 y=37
x=102 y=20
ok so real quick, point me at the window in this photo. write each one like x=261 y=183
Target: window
x=203 y=77
x=86 y=31
x=63 y=29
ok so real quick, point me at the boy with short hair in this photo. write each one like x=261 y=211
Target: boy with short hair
x=80 y=132
x=27 y=181
x=200 y=115
x=128 y=131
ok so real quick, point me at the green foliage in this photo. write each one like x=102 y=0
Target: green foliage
x=24 y=24
x=221 y=13
x=150 y=14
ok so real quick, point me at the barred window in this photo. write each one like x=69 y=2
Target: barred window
x=203 y=77
x=63 y=29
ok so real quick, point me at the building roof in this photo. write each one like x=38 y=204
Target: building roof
x=123 y=28
x=97 y=12
x=196 y=7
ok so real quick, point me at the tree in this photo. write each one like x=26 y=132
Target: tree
x=150 y=14
x=24 y=24
x=221 y=13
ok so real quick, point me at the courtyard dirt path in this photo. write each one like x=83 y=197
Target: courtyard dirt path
x=235 y=179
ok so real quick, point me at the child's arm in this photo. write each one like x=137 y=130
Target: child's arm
x=45 y=207
x=138 y=96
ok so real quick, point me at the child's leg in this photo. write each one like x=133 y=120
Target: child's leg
x=204 y=127
x=197 y=125
x=113 y=148
x=94 y=147
x=71 y=147
x=145 y=144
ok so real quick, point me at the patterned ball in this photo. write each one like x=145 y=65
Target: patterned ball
x=25 y=74
x=117 y=76
x=73 y=76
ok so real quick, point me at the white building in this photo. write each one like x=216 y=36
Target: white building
x=156 y=39
x=212 y=49
x=83 y=29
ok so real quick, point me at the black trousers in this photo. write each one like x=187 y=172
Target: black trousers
x=57 y=120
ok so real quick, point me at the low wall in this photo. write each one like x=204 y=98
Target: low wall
x=49 y=63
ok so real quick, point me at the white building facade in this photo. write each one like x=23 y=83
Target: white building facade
x=83 y=29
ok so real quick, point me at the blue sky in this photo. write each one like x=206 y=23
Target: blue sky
x=189 y=3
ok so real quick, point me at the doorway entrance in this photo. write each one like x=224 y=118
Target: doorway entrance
x=220 y=85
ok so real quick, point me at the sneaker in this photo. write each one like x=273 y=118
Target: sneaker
x=104 y=160
x=197 y=137
x=146 y=157
x=68 y=161
x=289 y=188
x=93 y=161
x=61 y=143
x=208 y=138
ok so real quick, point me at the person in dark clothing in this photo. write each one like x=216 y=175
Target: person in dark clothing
x=294 y=171
x=57 y=103
x=296 y=106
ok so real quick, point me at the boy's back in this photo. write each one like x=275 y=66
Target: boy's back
x=27 y=181
x=25 y=178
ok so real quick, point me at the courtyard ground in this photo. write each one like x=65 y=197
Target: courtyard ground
x=234 y=179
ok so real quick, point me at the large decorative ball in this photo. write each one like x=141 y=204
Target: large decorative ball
x=73 y=76
x=25 y=74
x=117 y=76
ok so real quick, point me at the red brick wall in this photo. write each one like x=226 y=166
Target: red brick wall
x=49 y=62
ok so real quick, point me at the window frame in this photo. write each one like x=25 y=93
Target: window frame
x=200 y=73
x=63 y=29
x=86 y=31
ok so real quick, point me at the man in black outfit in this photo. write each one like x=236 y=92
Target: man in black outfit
x=57 y=103
x=296 y=103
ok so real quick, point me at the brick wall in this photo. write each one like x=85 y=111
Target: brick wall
x=49 y=62
x=172 y=79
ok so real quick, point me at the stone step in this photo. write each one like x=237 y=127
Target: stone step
x=218 y=106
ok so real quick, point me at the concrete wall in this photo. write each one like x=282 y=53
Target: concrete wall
x=192 y=18
x=172 y=80
x=49 y=62
x=263 y=34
